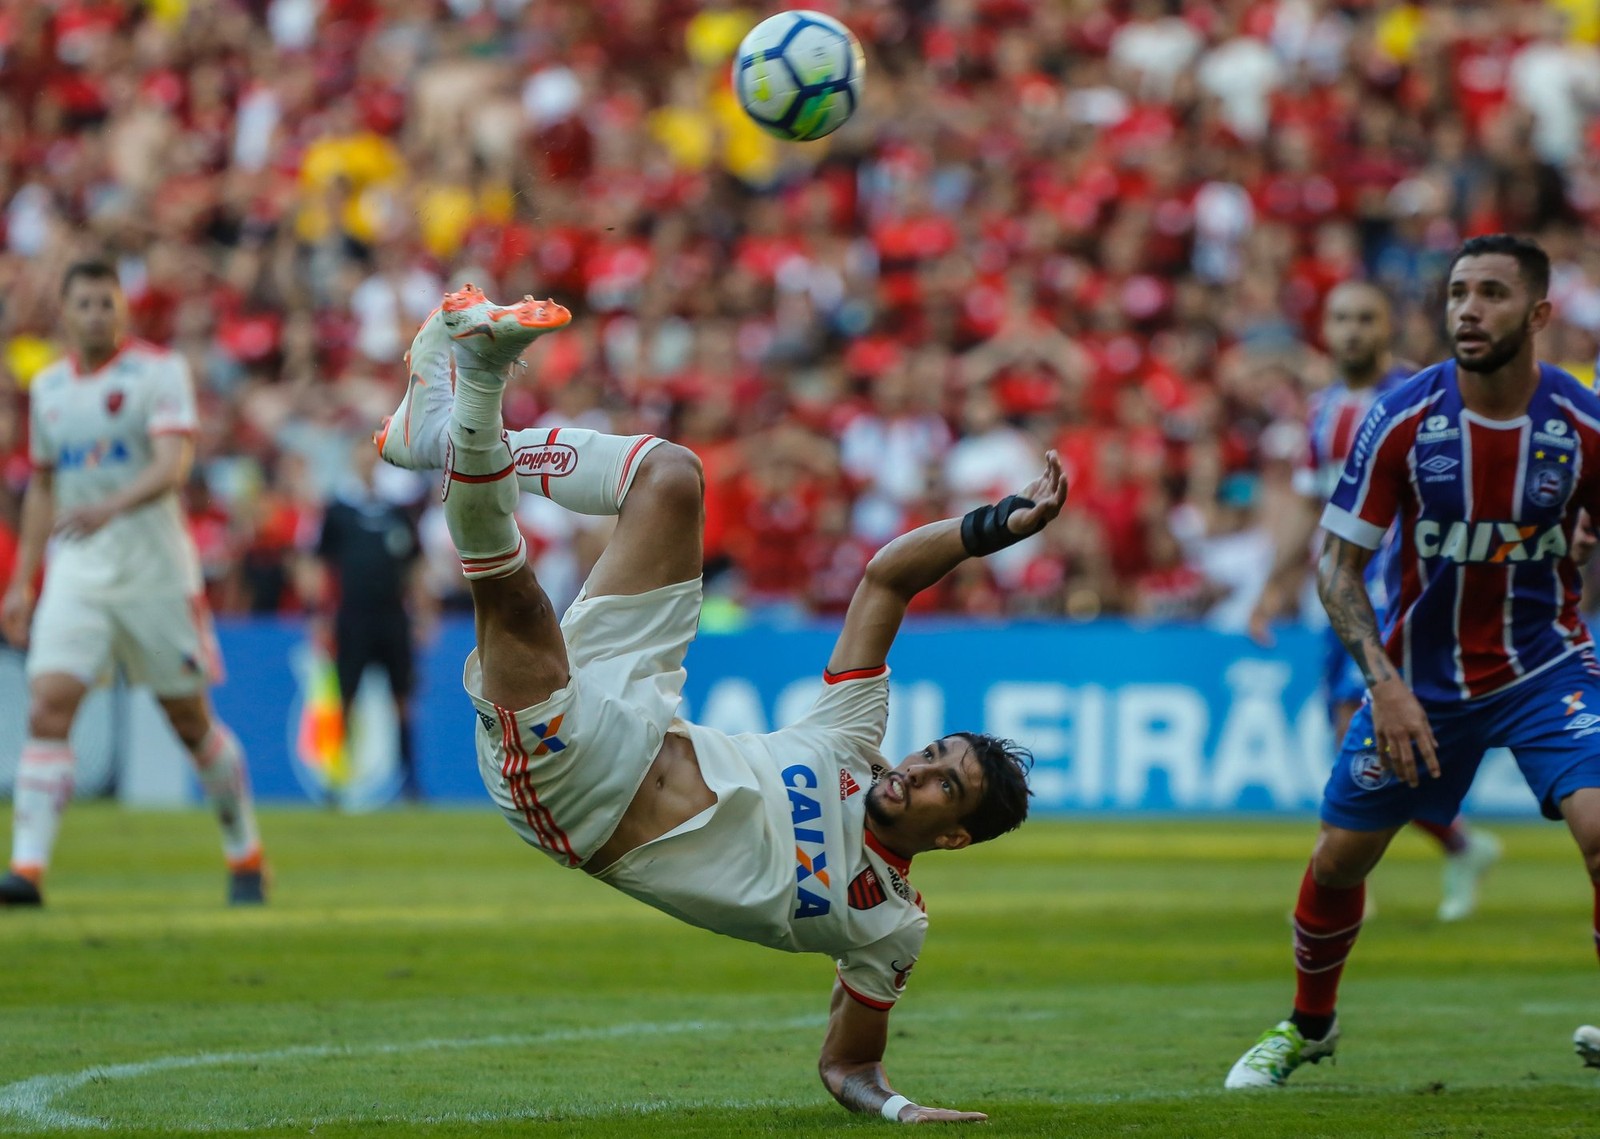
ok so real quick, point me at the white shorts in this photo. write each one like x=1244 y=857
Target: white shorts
x=565 y=770
x=166 y=642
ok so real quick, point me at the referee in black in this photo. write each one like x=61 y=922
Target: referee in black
x=370 y=553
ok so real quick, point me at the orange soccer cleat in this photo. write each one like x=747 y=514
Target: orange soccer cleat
x=489 y=337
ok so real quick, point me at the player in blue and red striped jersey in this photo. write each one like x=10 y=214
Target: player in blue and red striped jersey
x=1356 y=328
x=1486 y=462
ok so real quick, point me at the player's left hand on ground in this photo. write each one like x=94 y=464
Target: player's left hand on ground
x=1048 y=493
x=83 y=520
x=916 y=1113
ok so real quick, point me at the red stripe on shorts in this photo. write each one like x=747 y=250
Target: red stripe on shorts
x=555 y=838
x=511 y=745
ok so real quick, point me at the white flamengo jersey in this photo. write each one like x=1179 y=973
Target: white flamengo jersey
x=784 y=857
x=95 y=431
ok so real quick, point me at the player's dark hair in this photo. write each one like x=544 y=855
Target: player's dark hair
x=90 y=269
x=1532 y=261
x=1004 y=805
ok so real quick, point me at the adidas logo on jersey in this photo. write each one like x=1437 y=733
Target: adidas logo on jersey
x=1488 y=542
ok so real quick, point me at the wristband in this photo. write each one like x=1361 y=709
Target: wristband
x=984 y=530
x=892 y=1106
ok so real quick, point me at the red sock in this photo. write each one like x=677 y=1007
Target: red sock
x=1453 y=837
x=1326 y=922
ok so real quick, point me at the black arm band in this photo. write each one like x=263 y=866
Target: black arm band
x=984 y=530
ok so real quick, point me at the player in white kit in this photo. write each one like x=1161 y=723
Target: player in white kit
x=801 y=839
x=111 y=439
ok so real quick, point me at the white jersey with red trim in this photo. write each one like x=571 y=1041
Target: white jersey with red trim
x=95 y=432
x=784 y=858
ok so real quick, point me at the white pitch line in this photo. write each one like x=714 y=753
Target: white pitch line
x=29 y=1101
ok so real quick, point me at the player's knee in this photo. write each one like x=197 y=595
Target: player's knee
x=48 y=720
x=673 y=477
x=1589 y=847
x=1340 y=865
x=1336 y=873
x=190 y=725
x=50 y=713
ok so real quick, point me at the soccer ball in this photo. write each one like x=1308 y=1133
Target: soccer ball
x=798 y=74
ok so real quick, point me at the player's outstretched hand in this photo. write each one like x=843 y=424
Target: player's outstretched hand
x=16 y=614
x=916 y=1113
x=1400 y=729
x=1048 y=493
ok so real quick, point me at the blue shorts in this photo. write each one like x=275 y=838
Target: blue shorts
x=1341 y=675
x=1551 y=723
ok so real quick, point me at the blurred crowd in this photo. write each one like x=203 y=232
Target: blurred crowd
x=1104 y=227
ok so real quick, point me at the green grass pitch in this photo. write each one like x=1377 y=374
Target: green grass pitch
x=420 y=973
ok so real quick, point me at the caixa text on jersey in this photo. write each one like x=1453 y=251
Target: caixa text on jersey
x=1489 y=542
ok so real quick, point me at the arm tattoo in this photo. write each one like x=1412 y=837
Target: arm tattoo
x=1344 y=596
x=863 y=1091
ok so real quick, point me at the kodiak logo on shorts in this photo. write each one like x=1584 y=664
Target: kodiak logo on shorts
x=1368 y=770
x=551 y=459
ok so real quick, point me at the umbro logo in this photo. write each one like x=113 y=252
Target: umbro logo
x=1584 y=724
x=1439 y=464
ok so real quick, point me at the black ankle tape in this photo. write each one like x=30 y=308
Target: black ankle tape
x=984 y=530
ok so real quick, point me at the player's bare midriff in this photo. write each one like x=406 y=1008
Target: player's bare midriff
x=672 y=793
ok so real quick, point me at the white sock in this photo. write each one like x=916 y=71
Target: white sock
x=585 y=471
x=220 y=762
x=480 y=496
x=44 y=784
